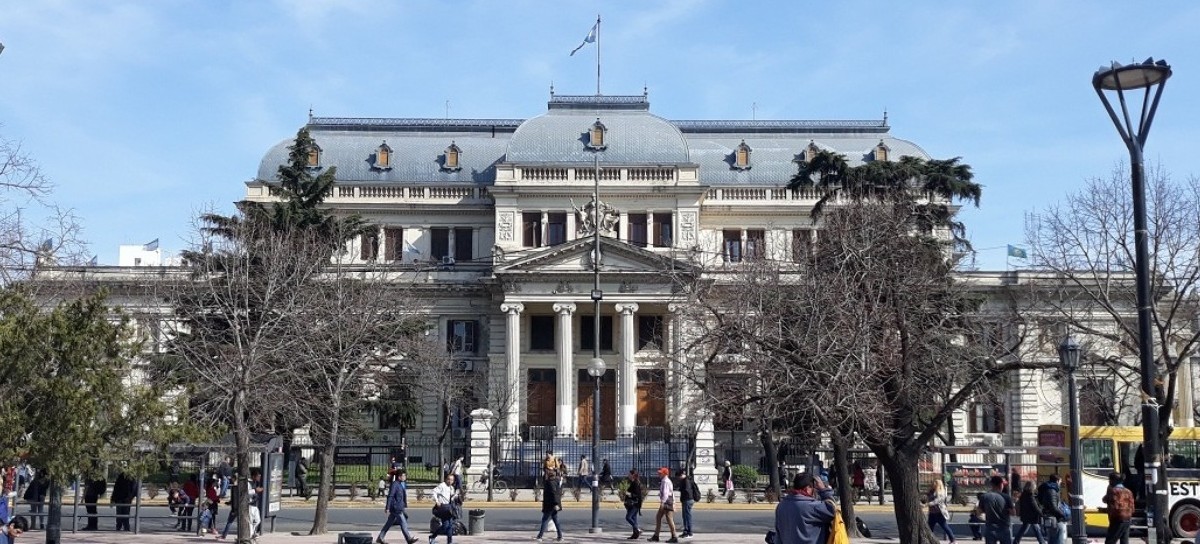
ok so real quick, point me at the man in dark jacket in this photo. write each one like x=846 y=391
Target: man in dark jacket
x=397 y=503
x=1049 y=495
x=124 y=491
x=689 y=493
x=92 y=491
x=803 y=516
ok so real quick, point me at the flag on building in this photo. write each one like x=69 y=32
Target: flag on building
x=591 y=37
x=1017 y=252
x=151 y=246
x=95 y=260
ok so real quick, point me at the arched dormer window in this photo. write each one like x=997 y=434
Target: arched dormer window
x=811 y=151
x=741 y=156
x=597 y=136
x=881 y=152
x=383 y=157
x=450 y=161
x=314 y=156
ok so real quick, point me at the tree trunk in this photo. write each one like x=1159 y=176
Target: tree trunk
x=54 y=515
x=902 y=469
x=768 y=442
x=841 y=466
x=321 y=515
x=241 y=437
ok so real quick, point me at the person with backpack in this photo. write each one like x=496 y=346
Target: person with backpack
x=1120 y=509
x=633 y=503
x=998 y=509
x=1049 y=496
x=1030 y=511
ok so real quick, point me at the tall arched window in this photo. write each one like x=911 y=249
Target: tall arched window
x=314 y=156
x=881 y=152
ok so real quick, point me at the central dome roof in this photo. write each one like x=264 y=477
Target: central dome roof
x=634 y=135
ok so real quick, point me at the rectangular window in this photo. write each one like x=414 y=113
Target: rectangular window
x=756 y=244
x=531 y=225
x=462 y=336
x=587 y=332
x=986 y=417
x=541 y=333
x=650 y=332
x=464 y=244
x=637 y=229
x=556 y=228
x=802 y=243
x=662 y=230
x=393 y=244
x=369 y=246
x=732 y=245
x=439 y=243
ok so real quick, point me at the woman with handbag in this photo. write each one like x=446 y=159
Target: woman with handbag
x=666 y=506
x=633 y=503
x=443 y=495
x=1030 y=513
x=939 y=515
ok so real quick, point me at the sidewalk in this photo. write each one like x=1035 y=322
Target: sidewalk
x=493 y=537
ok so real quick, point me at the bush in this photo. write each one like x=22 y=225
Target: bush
x=745 y=477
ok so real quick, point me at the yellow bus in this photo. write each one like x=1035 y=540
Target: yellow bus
x=1118 y=449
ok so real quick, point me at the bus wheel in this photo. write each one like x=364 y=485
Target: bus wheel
x=1185 y=520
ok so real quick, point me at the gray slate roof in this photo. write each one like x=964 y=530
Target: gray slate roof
x=635 y=136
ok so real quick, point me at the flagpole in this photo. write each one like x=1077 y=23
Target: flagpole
x=597 y=61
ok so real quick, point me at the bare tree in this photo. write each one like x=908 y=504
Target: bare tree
x=1085 y=247
x=34 y=231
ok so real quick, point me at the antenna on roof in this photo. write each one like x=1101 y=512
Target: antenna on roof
x=645 y=90
x=754 y=111
x=551 y=88
x=310 y=113
x=885 y=116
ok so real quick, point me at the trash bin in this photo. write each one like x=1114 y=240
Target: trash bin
x=355 y=538
x=475 y=522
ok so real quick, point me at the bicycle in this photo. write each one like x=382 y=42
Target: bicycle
x=481 y=485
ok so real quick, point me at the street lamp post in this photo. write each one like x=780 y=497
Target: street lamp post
x=1068 y=355
x=1150 y=76
x=596 y=371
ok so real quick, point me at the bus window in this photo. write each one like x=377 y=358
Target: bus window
x=1097 y=453
x=1183 y=453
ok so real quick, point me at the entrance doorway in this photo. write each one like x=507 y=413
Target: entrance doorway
x=651 y=398
x=608 y=404
x=542 y=400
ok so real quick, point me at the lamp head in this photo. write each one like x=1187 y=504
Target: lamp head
x=1068 y=353
x=1118 y=77
x=596 y=367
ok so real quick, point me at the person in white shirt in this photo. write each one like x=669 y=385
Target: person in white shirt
x=666 y=505
x=443 y=495
x=585 y=473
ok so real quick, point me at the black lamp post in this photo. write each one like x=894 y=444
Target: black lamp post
x=596 y=365
x=1068 y=355
x=1149 y=76
x=596 y=370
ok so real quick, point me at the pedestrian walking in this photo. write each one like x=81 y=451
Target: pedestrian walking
x=727 y=477
x=939 y=514
x=1050 y=498
x=805 y=514
x=551 y=504
x=1030 y=513
x=225 y=473
x=689 y=493
x=457 y=470
x=92 y=491
x=302 y=477
x=396 y=508
x=443 y=497
x=35 y=495
x=666 y=506
x=212 y=504
x=191 y=492
x=585 y=472
x=1120 y=509
x=998 y=510
x=634 y=494
x=606 y=476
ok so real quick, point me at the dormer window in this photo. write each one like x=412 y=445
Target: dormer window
x=314 y=156
x=811 y=151
x=881 y=152
x=450 y=161
x=741 y=156
x=383 y=157
x=597 y=136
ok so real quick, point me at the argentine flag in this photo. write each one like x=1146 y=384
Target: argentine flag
x=591 y=38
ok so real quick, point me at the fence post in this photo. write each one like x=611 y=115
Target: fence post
x=705 y=473
x=480 y=446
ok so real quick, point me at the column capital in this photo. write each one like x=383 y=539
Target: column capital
x=512 y=308
x=564 y=308
x=627 y=307
x=676 y=307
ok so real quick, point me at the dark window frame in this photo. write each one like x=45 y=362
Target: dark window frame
x=587 y=332
x=542 y=331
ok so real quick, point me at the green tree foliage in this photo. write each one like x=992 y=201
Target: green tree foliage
x=71 y=392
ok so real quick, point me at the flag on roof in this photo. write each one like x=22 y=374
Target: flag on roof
x=151 y=245
x=591 y=38
x=1017 y=252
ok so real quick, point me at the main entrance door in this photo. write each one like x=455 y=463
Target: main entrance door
x=651 y=398
x=542 y=400
x=608 y=404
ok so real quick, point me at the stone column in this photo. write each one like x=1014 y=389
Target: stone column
x=564 y=420
x=627 y=377
x=705 y=471
x=480 y=455
x=512 y=366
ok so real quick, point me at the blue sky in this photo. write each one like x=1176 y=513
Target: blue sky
x=145 y=113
